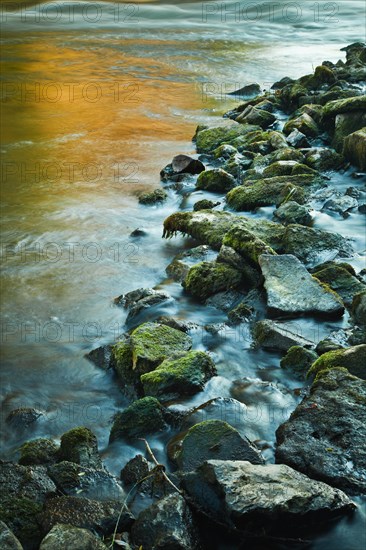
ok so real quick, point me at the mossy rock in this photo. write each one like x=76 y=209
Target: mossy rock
x=333 y=108
x=216 y=180
x=80 y=445
x=263 y=193
x=322 y=75
x=214 y=439
x=204 y=204
x=359 y=308
x=353 y=359
x=240 y=313
x=346 y=124
x=254 y=115
x=298 y=360
x=285 y=153
x=156 y=196
x=64 y=537
x=287 y=168
x=292 y=212
x=144 y=416
x=8 y=540
x=22 y=516
x=224 y=151
x=207 y=278
x=122 y=363
x=304 y=124
x=341 y=281
x=354 y=148
x=176 y=378
x=209 y=139
x=312 y=109
x=324 y=159
x=246 y=244
x=38 y=451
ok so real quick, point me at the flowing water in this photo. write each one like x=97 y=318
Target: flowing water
x=96 y=98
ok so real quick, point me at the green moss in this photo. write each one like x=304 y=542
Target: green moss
x=158 y=195
x=263 y=193
x=38 y=451
x=142 y=417
x=287 y=153
x=22 y=516
x=298 y=359
x=215 y=180
x=204 y=204
x=246 y=244
x=207 y=278
x=209 y=139
x=333 y=108
x=304 y=123
x=353 y=359
x=80 y=445
x=186 y=375
x=341 y=281
x=240 y=313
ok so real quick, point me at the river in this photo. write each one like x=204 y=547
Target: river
x=96 y=98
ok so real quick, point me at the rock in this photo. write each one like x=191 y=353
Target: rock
x=187 y=165
x=282 y=83
x=292 y=212
x=80 y=445
x=240 y=313
x=216 y=180
x=225 y=151
x=98 y=517
x=291 y=289
x=180 y=377
x=142 y=417
x=179 y=267
x=353 y=359
x=298 y=360
x=250 y=90
x=166 y=525
x=246 y=496
x=328 y=344
x=136 y=233
x=138 y=301
x=210 y=138
x=354 y=148
x=263 y=193
x=22 y=515
x=246 y=244
x=225 y=301
x=207 y=278
x=214 y=439
x=204 y=204
x=285 y=168
x=253 y=115
x=304 y=124
x=148 y=346
x=359 y=308
x=322 y=158
x=325 y=435
x=346 y=124
x=75 y=480
x=135 y=470
x=156 y=196
x=63 y=537
x=340 y=204
x=341 y=281
x=24 y=482
x=22 y=418
x=8 y=540
x=224 y=409
x=277 y=336
x=297 y=139
x=333 y=108
x=38 y=451
x=178 y=324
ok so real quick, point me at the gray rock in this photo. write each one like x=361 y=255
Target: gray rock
x=325 y=435
x=214 y=439
x=8 y=540
x=30 y=482
x=277 y=336
x=340 y=204
x=292 y=212
x=291 y=289
x=186 y=164
x=142 y=299
x=166 y=525
x=67 y=537
x=253 y=115
x=359 y=308
x=248 y=496
x=297 y=139
x=80 y=445
x=179 y=267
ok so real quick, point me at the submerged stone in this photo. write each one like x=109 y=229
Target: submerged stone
x=277 y=336
x=298 y=360
x=216 y=180
x=142 y=417
x=156 y=196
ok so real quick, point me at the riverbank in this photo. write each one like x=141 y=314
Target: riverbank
x=275 y=156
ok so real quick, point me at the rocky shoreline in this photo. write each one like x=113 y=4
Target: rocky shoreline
x=279 y=149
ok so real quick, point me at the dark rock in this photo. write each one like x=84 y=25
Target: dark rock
x=144 y=416
x=328 y=344
x=24 y=482
x=353 y=359
x=322 y=158
x=216 y=180
x=282 y=83
x=166 y=525
x=277 y=336
x=291 y=289
x=138 y=233
x=8 y=540
x=141 y=300
x=156 y=196
x=340 y=204
x=204 y=204
x=354 y=148
x=62 y=537
x=359 y=308
x=325 y=435
x=297 y=139
x=253 y=115
x=225 y=301
x=292 y=212
x=22 y=516
x=298 y=360
x=214 y=439
x=240 y=313
x=80 y=445
x=38 y=451
x=135 y=470
x=207 y=278
x=101 y=357
x=186 y=164
x=250 y=90
x=341 y=281
x=22 y=418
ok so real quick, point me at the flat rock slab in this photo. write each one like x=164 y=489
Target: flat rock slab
x=325 y=435
x=246 y=495
x=277 y=336
x=291 y=289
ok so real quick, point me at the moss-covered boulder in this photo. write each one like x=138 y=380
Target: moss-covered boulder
x=22 y=516
x=207 y=278
x=333 y=108
x=341 y=281
x=353 y=359
x=63 y=536
x=38 y=451
x=323 y=158
x=263 y=193
x=142 y=417
x=293 y=212
x=286 y=168
x=346 y=124
x=214 y=439
x=359 y=308
x=257 y=116
x=179 y=377
x=209 y=139
x=80 y=445
x=156 y=196
x=204 y=204
x=216 y=180
x=304 y=124
x=354 y=148
x=8 y=540
x=246 y=244
x=298 y=360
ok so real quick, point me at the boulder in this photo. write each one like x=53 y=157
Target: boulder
x=323 y=158
x=359 y=308
x=298 y=360
x=248 y=91
x=142 y=299
x=25 y=482
x=346 y=124
x=351 y=104
x=339 y=279
x=23 y=418
x=179 y=377
x=354 y=148
x=204 y=204
x=214 y=439
x=80 y=445
x=8 y=540
x=63 y=536
x=167 y=524
x=186 y=164
x=256 y=116
x=292 y=212
x=38 y=451
x=277 y=336
x=254 y=195
x=324 y=437
x=341 y=205
x=209 y=139
x=207 y=278
x=282 y=275
x=22 y=516
x=353 y=359
x=304 y=124
x=216 y=180
x=142 y=417
x=247 y=496
x=156 y=196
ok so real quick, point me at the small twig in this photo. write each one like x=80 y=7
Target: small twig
x=161 y=467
